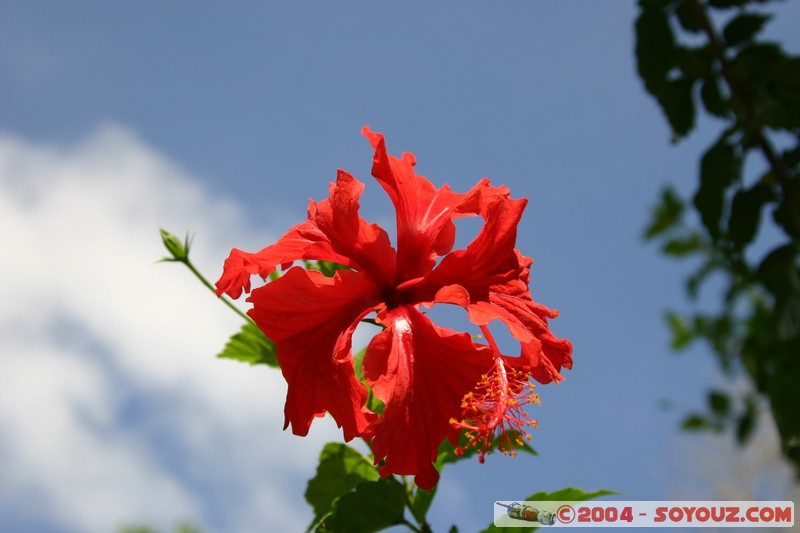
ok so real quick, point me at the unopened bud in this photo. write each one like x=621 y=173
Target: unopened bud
x=179 y=249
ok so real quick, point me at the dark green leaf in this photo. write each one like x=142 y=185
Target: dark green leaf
x=654 y=46
x=688 y=18
x=656 y=4
x=250 y=345
x=743 y=27
x=712 y=98
x=677 y=103
x=693 y=62
x=755 y=61
x=340 y=470
x=746 y=213
x=694 y=423
x=719 y=402
x=778 y=271
x=666 y=214
x=681 y=246
x=786 y=218
x=779 y=103
x=719 y=168
x=729 y=3
x=747 y=421
x=792 y=157
x=373 y=506
x=563 y=495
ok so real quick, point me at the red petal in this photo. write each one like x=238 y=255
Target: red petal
x=488 y=260
x=311 y=318
x=333 y=232
x=544 y=357
x=236 y=272
x=542 y=353
x=482 y=312
x=546 y=354
x=424 y=214
x=421 y=372
x=490 y=280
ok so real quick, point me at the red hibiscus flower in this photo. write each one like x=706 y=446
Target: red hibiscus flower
x=434 y=382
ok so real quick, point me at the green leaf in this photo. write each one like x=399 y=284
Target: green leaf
x=779 y=102
x=656 y=4
x=693 y=62
x=358 y=363
x=785 y=218
x=328 y=268
x=563 y=495
x=756 y=61
x=447 y=451
x=250 y=345
x=421 y=502
x=695 y=423
x=340 y=470
x=569 y=494
x=688 y=18
x=666 y=214
x=187 y=528
x=373 y=403
x=681 y=246
x=654 y=46
x=720 y=166
x=374 y=505
x=682 y=332
x=743 y=27
x=746 y=213
x=729 y=3
x=677 y=103
x=656 y=55
x=712 y=98
x=719 y=402
x=778 y=271
x=747 y=421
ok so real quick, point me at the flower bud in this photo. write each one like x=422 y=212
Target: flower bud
x=178 y=249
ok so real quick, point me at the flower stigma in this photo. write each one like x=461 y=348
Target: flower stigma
x=495 y=410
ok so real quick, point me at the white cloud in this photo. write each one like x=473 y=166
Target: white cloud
x=112 y=406
x=713 y=467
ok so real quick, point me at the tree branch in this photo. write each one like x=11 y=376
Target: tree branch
x=742 y=106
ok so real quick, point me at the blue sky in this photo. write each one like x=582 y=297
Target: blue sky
x=223 y=120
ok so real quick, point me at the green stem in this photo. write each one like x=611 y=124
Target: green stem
x=411 y=526
x=423 y=524
x=205 y=282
